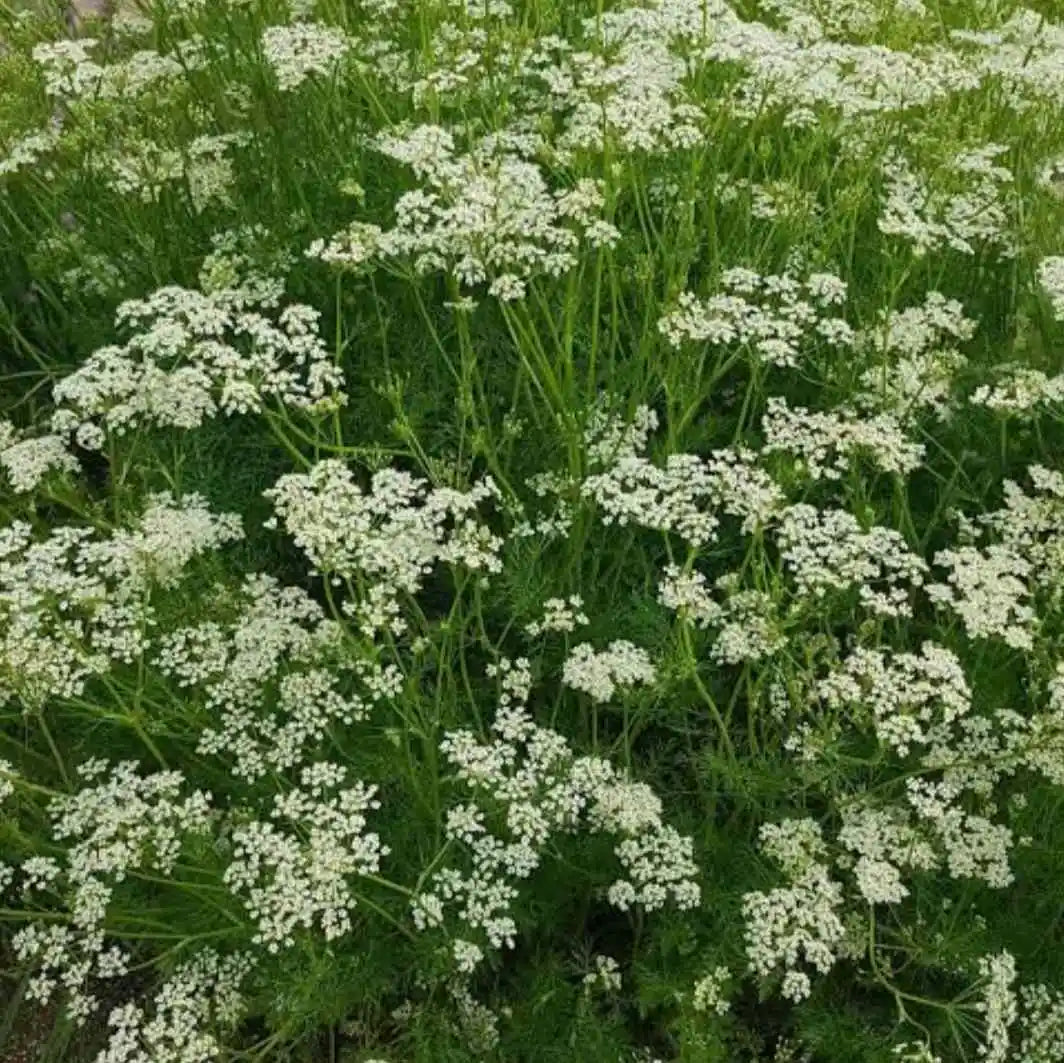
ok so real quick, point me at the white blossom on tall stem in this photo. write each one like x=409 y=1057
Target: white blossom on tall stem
x=543 y=789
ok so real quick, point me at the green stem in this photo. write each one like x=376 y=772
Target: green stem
x=46 y=731
x=710 y=703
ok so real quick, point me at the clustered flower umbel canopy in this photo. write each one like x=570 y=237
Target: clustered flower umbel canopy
x=278 y=674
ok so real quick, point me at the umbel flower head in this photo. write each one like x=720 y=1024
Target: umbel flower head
x=74 y=602
x=194 y=355
x=390 y=535
x=483 y=217
x=542 y=789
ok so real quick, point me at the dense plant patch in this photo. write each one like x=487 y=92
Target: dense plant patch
x=532 y=530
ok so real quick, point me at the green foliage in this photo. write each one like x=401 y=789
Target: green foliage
x=562 y=269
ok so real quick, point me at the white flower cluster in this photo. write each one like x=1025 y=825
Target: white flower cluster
x=748 y=629
x=143 y=70
x=1051 y=278
x=466 y=46
x=801 y=72
x=919 y=330
x=482 y=217
x=80 y=270
x=620 y=82
x=477 y=1024
x=73 y=603
x=910 y=384
x=827 y=443
x=770 y=200
x=27 y=462
x=908 y=697
x=1022 y=56
x=7 y=777
x=300 y=50
x=973 y=846
x=883 y=843
x=68 y=957
x=827 y=550
x=600 y=675
x=610 y=438
x=529 y=774
x=794 y=844
x=28 y=150
x=987 y=589
x=242 y=261
x=687 y=594
x=298 y=877
x=192 y=356
x=126 y=821
x=391 y=535
x=627 y=90
x=920 y=706
x=709 y=992
x=352 y=248
x=807 y=20
x=1042 y=1019
x=687 y=495
x=202 y=167
x=276 y=678
x=1032 y=525
x=932 y=219
x=560 y=614
x=916 y=361
x=1022 y=391
x=122 y=824
x=999 y=1006
x=554 y=521
x=991 y=588
x=71 y=74
x=776 y=316
x=915 y=1052
x=67 y=67
x=1051 y=176
x=1041 y=739
x=800 y=923
x=200 y=996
